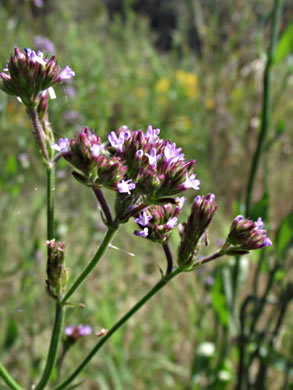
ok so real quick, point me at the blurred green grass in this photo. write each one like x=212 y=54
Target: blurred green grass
x=209 y=106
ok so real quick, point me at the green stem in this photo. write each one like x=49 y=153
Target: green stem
x=50 y=200
x=38 y=132
x=54 y=345
x=91 y=265
x=8 y=379
x=265 y=120
x=115 y=327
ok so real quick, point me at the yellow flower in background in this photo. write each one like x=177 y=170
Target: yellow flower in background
x=183 y=123
x=139 y=92
x=162 y=85
x=189 y=81
x=209 y=104
x=162 y=101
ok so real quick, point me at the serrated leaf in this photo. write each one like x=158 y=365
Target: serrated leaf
x=285 y=45
x=284 y=236
x=11 y=334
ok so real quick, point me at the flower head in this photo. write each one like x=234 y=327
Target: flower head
x=246 y=235
x=157 y=222
x=157 y=167
x=203 y=210
x=29 y=73
x=75 y=332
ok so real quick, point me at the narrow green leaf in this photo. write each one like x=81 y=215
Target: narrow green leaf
x=11 y=334
x=284 y=236
x=285 y=45
x=219 y=301
x=260 y=209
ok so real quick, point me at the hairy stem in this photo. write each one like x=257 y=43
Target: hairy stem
x=91 y=265
x=117 y=326
x=38 y=132
x=8 y=379
x=50 y=201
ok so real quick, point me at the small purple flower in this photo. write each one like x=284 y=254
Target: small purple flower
x=75 y=332
x=143 y=219
x=151 y=133
x=139 y=153
x=125 y=186
x=44 y=44
x=172 y=154
x=62 y=146
x=35 y=56
x=118 y=142
x=38 y=3
x=142 y=233
x=191 y=182
x=153 y=157
x=66 y=73
x=69 y=330
x=172 y=222
x=84 y=330
x=259 y=223
x=179 y=201
x=96 y=150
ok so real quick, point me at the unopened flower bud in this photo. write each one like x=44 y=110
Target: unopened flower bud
x=246 y=235
x=57 y=273
x=203 y=210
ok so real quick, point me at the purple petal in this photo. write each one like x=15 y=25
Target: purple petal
x=66 y=74
x=143 y=219
x=191 y=182
x=142 y=233
x=62 y=146
x=180 y=201
x=125 y=186
x=96 y=150
x=172 y=222
x=69 y=330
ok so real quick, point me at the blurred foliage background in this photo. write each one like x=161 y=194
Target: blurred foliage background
x=194 y=69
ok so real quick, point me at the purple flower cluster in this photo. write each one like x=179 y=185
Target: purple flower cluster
x=202 y=212
x=75 y=332
x=94 y=166
x=156 y=166
x=28 y=73
x=246 y=235
x=133 y=163
x=157 y=222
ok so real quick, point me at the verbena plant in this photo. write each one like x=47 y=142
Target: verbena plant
x=148 y=176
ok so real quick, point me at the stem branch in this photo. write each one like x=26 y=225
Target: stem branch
x=115 y=327
x=91 y=265
x=8 y=379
